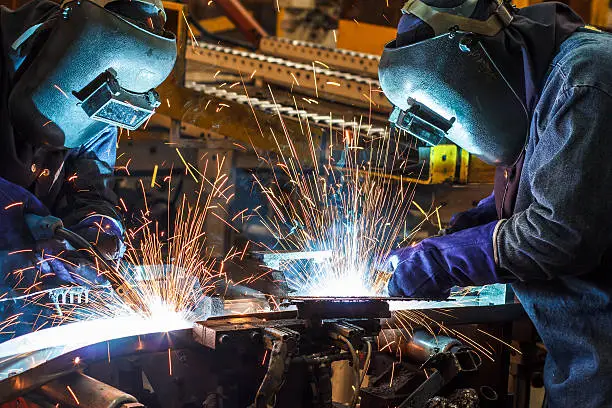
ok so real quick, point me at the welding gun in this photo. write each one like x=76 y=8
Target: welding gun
x=49 y=227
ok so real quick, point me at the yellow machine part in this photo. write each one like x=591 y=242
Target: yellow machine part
x=363 y=37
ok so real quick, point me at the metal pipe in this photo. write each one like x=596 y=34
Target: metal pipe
x=78 y=389
x=419 y=346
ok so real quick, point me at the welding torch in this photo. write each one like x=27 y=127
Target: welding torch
x=50 y=227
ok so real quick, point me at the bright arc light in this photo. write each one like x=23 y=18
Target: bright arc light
x=339 y=287
x=32 y=349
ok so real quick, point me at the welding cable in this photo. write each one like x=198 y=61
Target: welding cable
x=357 y=376
x=366 y=364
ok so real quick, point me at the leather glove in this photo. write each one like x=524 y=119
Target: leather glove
x=483 y=213
x=104 y=232
x=433 y=266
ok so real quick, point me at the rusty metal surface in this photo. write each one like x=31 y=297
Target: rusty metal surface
x=311 y=79
x=336 y=58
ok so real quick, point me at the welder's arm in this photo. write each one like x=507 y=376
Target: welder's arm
x=483 y=213
x=89 y=205
x=567 y=229
x=433 y=266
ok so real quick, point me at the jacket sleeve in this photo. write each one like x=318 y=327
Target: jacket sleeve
x=567 y=228
x=88 y=188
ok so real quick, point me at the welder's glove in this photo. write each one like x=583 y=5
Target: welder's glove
x=104 y=232
x=25 y=263
x=483 y=213
x=60 y=264
x=433 y=266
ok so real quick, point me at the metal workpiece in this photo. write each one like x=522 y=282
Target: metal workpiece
x=346 y=329
x=228 y=332
x=336 y=58
x=341 y=308
x=25 y=380
x=419 y=346
x=311 y=79
x=272 y=335
x=424 y=346
x=78 y=389
x=290 y=112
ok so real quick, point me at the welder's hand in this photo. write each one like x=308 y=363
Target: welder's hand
x=483 y=213
x=105 y=233
x=433 y=266
x=59 y=264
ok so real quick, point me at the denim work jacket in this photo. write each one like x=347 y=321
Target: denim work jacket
x=558 y=242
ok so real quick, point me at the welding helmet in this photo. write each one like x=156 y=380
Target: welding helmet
x=445 y=83
x=97 y=63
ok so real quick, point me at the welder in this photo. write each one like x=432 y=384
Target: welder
x=70 y=75
x=530 y=91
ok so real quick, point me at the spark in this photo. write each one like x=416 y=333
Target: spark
x=193 y=37
x=501 y=341
x=123 y=205
x=169 y=362
x=350 y=212
x=295 y=79
x=17 y=204
x=62 y=91
x=314 y=75
x=77 y=360
x=186 y=165
x=369 y=99
x=165 y=283
x=333 y=83
x=73 y=395
x=21 y=251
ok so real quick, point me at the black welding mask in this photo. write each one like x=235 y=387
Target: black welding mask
x=98 y=65
x=449 y=86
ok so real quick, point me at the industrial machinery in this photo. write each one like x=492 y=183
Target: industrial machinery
x=311 y=353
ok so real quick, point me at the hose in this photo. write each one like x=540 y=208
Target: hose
x=357 y=385
x=366 y=365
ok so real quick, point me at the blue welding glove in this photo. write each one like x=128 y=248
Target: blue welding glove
x=483 y=213
x=24 y=262
x=433 y=266
x=60 y=264
x=104 y=232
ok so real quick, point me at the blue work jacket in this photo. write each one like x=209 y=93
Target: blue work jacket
x=558 y=241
